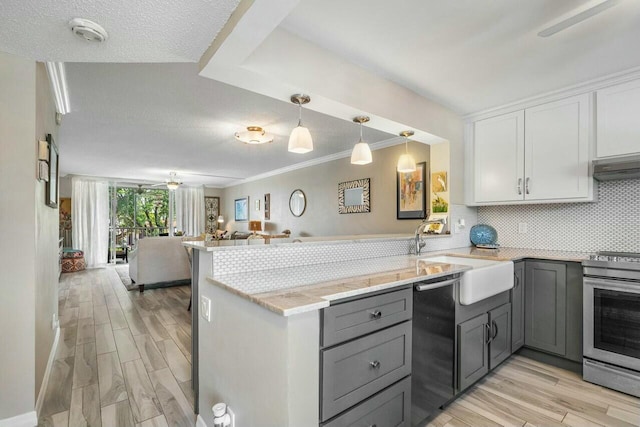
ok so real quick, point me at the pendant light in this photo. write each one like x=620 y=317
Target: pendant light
x=406 y=162
x=300 y=140
x=361 y=154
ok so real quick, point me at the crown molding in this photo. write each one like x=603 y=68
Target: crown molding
x=577 y=89
x=58 y=80
x=396 y=140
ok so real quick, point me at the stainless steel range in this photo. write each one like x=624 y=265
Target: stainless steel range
x=611 y=340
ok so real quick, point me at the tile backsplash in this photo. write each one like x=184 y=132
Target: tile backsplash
x=612 y=223
x=266 y=257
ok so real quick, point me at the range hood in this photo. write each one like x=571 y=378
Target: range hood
x=618 y=168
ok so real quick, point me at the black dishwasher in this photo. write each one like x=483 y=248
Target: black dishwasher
x=433 y=346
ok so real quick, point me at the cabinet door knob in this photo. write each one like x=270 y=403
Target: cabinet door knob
x=375 y=364
x=376 y=314
x=526 y=185
x=520 y=186
x=517 y=280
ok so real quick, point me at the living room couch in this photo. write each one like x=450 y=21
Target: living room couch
x=159 y=262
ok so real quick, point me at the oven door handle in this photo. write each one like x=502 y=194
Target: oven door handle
x=613 y=285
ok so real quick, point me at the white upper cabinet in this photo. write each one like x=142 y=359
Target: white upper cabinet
x=618 y=120
x=557 y=150
x=498 y=159
x=540 y=154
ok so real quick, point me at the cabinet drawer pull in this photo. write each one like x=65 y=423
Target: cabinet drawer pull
x=517 y=280
x=376 y=314
x=526 y=185
x=495 y=334
x=375 y=364
x=373 y=425
x=489 y=338
x=520 y=186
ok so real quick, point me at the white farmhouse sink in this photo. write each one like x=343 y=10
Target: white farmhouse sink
x=486 y=279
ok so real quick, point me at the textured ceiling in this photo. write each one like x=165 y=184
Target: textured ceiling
x=473 y=55
x=139 y=30
x=140 y=121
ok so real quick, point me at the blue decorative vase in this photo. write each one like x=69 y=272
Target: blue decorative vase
x=483 y=234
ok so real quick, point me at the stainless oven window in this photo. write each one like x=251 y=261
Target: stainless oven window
x=616 y=322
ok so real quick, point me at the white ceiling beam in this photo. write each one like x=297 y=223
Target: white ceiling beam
x=265 y=59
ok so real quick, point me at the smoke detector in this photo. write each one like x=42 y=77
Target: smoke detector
x=88 y=30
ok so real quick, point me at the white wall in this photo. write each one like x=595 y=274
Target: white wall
x=47 y=225
x=18 y=230
x=320 y=185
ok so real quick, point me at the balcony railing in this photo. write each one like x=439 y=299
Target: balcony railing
x=128 y=236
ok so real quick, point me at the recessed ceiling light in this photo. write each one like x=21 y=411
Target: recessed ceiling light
x=88 y=30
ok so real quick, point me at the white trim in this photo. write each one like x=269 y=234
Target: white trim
x=578 y=89
x=396 y=140
x=200 y=422
x=58 y=80
x=47 y=371
x=29 y=419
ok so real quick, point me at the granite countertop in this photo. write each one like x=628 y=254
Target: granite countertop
x=288 y=291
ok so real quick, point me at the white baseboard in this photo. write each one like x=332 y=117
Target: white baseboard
x=199 y=422
x=30 y=419
x=47 y=371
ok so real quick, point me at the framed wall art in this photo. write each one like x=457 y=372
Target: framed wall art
x=354 y=196
x=411 y=193
x=241 y=209
x=267 y=206
x=51 y=193
x=211 y=213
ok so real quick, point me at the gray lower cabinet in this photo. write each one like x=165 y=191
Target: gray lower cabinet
x=473 y=351
x=500 y=341
x=389 y=408
x=483 y=343
x=517 y=307
x=546 y=306
x=365 y=361
x=553 y=308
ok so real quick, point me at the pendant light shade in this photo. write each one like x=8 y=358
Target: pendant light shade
x=361 y=154
x=300 y=140
x=406 y=162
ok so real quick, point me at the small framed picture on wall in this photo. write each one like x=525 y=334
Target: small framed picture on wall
x=242 y=209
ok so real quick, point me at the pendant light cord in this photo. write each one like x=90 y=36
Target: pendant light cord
x=360 y=131
x=299 y=114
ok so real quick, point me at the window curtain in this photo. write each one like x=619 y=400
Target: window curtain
x=190 y=210
x=90 y=219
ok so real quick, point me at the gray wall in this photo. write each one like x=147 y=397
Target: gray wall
x=17 y=228
x=320 y=184
x=47 y=224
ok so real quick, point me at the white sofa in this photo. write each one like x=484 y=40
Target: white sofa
x=159 y=262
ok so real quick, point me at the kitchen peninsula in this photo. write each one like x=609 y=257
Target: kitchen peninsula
x=266 y=348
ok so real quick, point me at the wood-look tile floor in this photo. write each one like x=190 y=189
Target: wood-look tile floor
x=124 y=358
x=523 y=392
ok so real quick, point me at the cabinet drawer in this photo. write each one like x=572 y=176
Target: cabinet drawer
x=350 y=320
x=359 y=369
x=389 y=408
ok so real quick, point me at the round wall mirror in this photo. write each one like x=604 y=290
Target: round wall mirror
x=297 y=203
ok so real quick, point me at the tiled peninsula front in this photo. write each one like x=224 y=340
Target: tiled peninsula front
x=260 y=351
